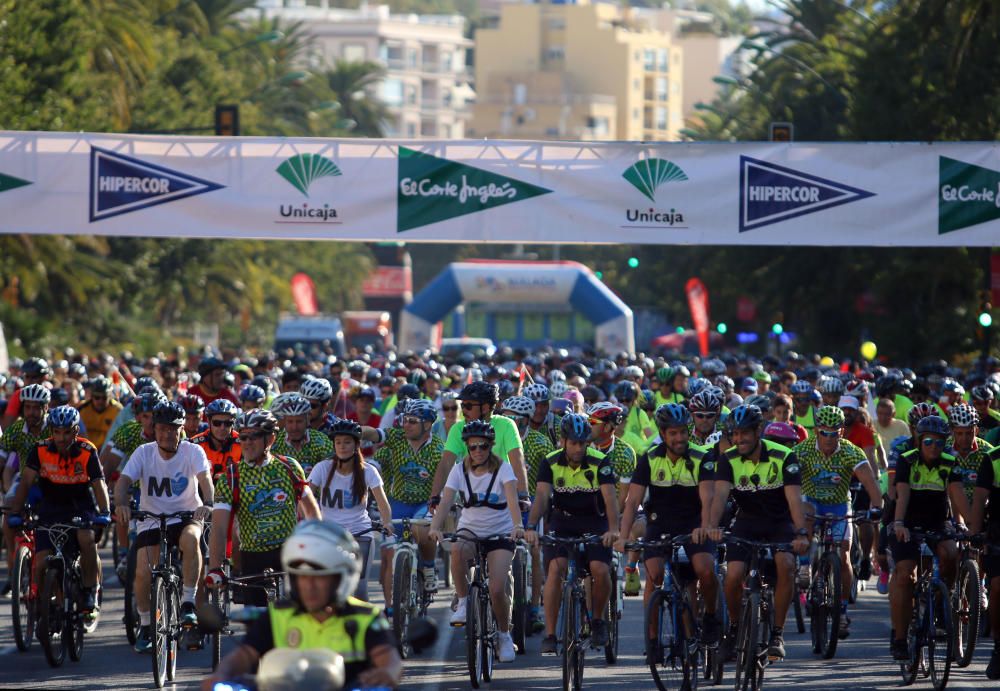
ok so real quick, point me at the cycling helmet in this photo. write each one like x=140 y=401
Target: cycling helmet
x=815 y=396
x=35 y=393
x=577 y=369
x=745 y=417
x=634 y=372
x=478 y=428
x=322 y=548
x=697 y=385
x=257 y=418
x=725 y=383
x=885 y=386
x=35 y=367
x=100 y=385
x=760 y=400
x=210 y=364
x=168 y=413
x=963 y=415
x=575 y=427
x=348 y=427
x=293 y=406
x=407 y=392
x=712 y=368
x=221 y=406
x=831 y=385
x=64 y=417
x=606 y=412
x=556 y=375
x=59 y=396
x=475 y=375
x=192 y=403
x=519 y=405
x=933 y=424
x=626 y=392
x=559 y=388
x=417 y=378
x=263 y=381
x=981 y=393
x=707 y=400
x=505 y=388
x=480 y=392
x=366 y=392
x=146 y=402
x=664 y=375
x=316 y=390
x=421 y=408
x=919 y=411
x=781 y=432
x=830 y=416
x=536 y=392
x=672 y=415
x=801 y=387
x=252 y=394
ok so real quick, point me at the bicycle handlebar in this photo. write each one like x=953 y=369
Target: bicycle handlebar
x=754 y=544
x=470 y=537
x=140 y=515
x=585 y=539
x=664 y=541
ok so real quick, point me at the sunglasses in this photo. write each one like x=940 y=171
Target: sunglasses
x=829 y=434
x=928 y=441
x=410 y=420
x=449 y=408
x=255 y=436
x=482 y=446
x=222 y=423
x=468 y=405
x=705 y=416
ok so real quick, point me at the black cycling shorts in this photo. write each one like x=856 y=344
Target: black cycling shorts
x=254 y=564
x=758 y=529
x=576 y=527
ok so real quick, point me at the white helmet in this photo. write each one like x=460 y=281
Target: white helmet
x=558 y=388
x=319 y=548
x=519 y=405
x=293 y=405
x=316 y=390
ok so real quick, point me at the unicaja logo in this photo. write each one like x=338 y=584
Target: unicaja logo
x=648 y=174
x=303 y=169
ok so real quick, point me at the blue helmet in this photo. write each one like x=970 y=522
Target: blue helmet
x=221 y=406
x=421 y=408
x=933 y=424
x=672 y=415
x=64 y=416
x=252 y=394
x=745 y=417
x=575 y=427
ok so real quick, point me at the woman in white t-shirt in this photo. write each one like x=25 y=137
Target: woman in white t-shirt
x=487 y=490
x=343 y=484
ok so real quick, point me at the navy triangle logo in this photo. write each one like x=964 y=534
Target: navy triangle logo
x=121 y=184
x=771 y=193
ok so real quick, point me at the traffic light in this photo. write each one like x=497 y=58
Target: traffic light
x=679 y=329
x=633 y=262
x=782 y=132
x=227 y=121
x=722 y=328
x=599 y=275
x=777 y=329
x=985 y=318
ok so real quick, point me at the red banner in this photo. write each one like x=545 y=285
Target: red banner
x=388 y=282
x=304 y=294
x=697 y=296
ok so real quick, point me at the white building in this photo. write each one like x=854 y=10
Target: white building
x=427 y=84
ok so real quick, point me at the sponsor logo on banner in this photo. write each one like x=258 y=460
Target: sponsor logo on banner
x=432 y=189
x=301 y=171
x=967 y=195
x=499 y=286
x=771 y=193
x=9 y=182
x=647 y=176
x=121 y=184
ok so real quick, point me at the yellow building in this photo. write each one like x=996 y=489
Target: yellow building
x=576 y=71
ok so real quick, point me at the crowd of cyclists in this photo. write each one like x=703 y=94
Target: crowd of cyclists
x=303 y=465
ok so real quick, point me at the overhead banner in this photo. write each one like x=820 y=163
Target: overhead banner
x=860 y=194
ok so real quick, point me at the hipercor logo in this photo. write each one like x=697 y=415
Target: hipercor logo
x=771 y=193
x=121 y=184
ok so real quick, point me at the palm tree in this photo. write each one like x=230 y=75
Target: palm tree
x=352 y=85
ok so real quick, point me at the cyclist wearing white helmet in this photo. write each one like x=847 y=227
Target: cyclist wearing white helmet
x=321 y=563
x=319 y=393
x=543 y=419
x=802 y=402
x=298 y=439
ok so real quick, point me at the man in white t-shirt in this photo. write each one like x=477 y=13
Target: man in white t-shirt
x=170 y=471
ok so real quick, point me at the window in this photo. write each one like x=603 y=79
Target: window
x=647 y=119
x=411 y=94
x=354 y=52
x=520 y=94
x=411 y=130
x=391 y=52
x=598 y=126
x=661 y=118
x=391 y=92
x=555 y=53
x=412 y=57
x=662 y=59
x=649 y=61
x=556 y=24
x=661 y=88
x=635 y=113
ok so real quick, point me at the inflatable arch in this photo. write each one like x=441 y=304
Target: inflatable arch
x=519 y=282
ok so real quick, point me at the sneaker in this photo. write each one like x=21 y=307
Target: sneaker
x=548 y=646
x=899 y=650
x=536 y=622
x=709 y=630
x=865 y=569
x=429 y=574
x=458 y=616
x=633 y=584
x=144 y=641
x=89 y=601
x=993 y=669
x=6 y=590
x=121 y=568
x=388 y=613
x=883 y=583
x=188 y=616
x=845 y=623
x=599 y=634
x=507 y=651
x=776 y=648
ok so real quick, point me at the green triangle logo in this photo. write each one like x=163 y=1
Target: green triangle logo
x=432 y=189
x=9 y=182
x=967 y=195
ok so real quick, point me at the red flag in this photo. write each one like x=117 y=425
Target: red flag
x=304 y=294
x=697 y=296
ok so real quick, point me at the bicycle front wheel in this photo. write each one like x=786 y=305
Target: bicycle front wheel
x=215 y=597
x=519 y=623
x=967 y=600
x=22 y=605
x=473 y=632
x=159 y=620
x=173 y=629
x=611 y=620
x=489 y=638
x=131 y=611
x=747 y=643
x=73 y=623
x=401 y=597
x=830 y=603
x=941 y=635
x=570 y=638
x=51 y=616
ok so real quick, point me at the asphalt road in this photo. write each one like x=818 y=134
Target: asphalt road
x=862 y=661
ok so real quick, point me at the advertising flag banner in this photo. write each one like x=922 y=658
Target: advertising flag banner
x=697 y=296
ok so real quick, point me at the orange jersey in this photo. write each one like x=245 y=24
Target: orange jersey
x=230 y=451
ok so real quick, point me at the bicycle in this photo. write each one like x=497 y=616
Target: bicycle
x=714 y=664
x=24 y=597
x=221 y=598
x=931 y=610
x=521 y=570
x=756 y=615
x=673 y=653
x=574 y=624
x=825 y=587
x=409 y=599
x=60 y=621
x=966 y=603
x=165 y=600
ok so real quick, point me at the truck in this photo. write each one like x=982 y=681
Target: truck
x=364 y=328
